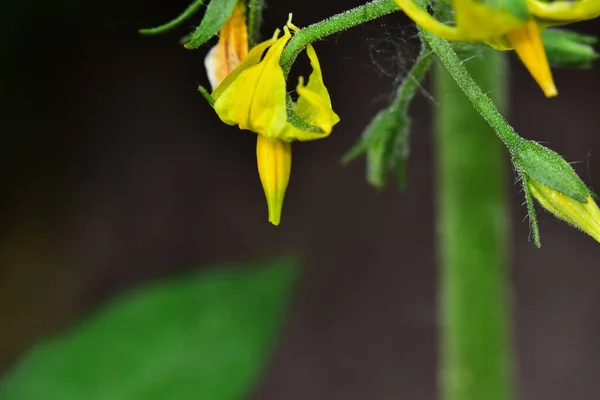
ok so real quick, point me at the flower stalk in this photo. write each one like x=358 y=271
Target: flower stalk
x=336 y=23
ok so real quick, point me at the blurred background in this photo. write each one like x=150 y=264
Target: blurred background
x=115 y=172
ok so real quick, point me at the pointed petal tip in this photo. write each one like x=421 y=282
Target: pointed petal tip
x=550 y=90
x=274 y=222
x=275 y=208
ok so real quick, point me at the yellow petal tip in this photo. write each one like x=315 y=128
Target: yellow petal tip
x=274 y=159
x=528 y=45
x=275 y=218
x=550 y=90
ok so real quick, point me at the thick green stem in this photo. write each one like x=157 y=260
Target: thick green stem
x=473 y=227
x=336 y=23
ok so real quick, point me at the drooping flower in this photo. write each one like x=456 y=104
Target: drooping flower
x=503 y=30
x=254 y=97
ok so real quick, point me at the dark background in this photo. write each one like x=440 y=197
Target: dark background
x=116 y=172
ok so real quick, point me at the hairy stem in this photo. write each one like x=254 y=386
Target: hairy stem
x=473 y=226
x=482 y=103
x=255 y=8
x=334 y=24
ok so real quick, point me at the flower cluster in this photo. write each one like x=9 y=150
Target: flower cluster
x=253 y=96
x=250 y=91
x=508 y=25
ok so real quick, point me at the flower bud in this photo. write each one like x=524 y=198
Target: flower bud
x=569 y=49
x=538 y=163
x=556 y=186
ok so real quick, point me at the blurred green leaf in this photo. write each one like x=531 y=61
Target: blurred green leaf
x=202 y=336
x=217 y=13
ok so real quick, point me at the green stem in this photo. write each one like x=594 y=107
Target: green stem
x=191 y=10
x=413 y=80
x=473 y=226
x=334 y=24
x=482 y=103
x=255 y=8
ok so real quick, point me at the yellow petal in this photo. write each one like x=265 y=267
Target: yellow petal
x=565 y=11
x=313 y=106
x=255 y=99
x=231 y=48
x=314 y=103
x=274 y=159
x=426 y=21
x=585 y=216
x=528 y=45
x=479 y=22
x=250 y=60
x=475 y=21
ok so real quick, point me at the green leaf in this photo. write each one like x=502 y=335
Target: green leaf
x=541 y=164
x=191 y=10
x=201 y=336
x=217 y=13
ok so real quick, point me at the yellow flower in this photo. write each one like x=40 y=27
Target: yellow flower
x=500 y=29
x=254 y=97
x=582 y=215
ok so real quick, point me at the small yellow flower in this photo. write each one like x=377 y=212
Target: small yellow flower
x=500 y=29
x=254 y=97
x=582 y=215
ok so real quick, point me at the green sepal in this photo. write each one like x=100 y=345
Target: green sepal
x=518 y=8
x=217 y=13
x=206 y=96
x=191 y=10
x=543 y=165
x=297 y=121
x=532 y=216
x=568 y=49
